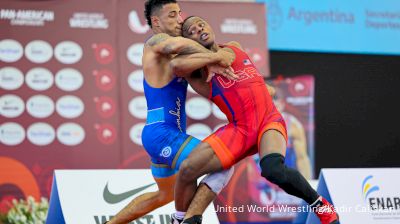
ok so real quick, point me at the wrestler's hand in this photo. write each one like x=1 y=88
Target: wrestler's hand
x=271 y=90
x=218 y=69
x=226 y=57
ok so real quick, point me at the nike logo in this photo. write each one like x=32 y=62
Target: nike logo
x=116 y=198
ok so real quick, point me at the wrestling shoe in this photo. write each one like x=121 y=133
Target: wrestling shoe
x=175 y=220
x=196 y=219
x=326 y=212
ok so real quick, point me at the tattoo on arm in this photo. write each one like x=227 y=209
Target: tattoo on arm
x=192 y=48
x=166 y=44
x=158 y=38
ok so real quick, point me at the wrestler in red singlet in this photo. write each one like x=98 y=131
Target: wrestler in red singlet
x=249 y=109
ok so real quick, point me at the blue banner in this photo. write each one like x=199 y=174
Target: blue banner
x=355 y=26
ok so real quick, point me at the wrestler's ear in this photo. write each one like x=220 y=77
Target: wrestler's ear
x=155 y=21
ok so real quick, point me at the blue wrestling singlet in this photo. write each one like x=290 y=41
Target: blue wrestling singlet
x=164 y=135
x=290 y=158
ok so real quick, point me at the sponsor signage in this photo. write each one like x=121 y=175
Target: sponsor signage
x=70 y=106
x=369 y=195
x=135 y=133
x=138 y=107
x=70 y=134
x=11 y=134
x=69 y=79
x=39 y=79
x=10 y=50
x=41 y=134
x=135 y=81
x=198 y=108
x=88 y=20
x=38 y=51
x=11 y=106
x=67 y=94
x=103 y=193
x=26 y=17
x=40 y=106
x=11 y=78
x=135 y=53
x=68 y=52
x=199 y=130
x=356 y=26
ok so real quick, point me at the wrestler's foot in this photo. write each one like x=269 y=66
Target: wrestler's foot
x=326 y=212
x=196 y=219
x=175 y=220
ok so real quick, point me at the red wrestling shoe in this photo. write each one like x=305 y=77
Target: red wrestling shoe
x=326 y=212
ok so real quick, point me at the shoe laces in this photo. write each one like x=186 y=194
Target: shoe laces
x=326 y=208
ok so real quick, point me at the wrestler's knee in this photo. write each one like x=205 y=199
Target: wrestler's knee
x=187 y=171
x=166 y=196
x=273 y=168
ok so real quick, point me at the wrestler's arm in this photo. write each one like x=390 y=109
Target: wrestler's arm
x=271 y=90
x=184 y=65
x=163 y=43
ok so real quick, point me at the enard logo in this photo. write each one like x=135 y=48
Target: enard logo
x=382 y=201
x=368 y=188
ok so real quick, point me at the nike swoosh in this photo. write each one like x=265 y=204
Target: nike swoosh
x=116 y=198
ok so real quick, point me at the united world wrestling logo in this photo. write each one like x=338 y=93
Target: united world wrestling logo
x=367 y=188
x=135 y=25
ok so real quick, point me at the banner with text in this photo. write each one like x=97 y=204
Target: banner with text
x=101 y=194
x=71 y=85
x=369 y=195
x=355 y=26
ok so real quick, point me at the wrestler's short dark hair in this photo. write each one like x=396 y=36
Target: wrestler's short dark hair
x=150 y=6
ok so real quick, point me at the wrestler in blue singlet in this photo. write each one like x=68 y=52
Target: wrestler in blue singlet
x=290 y=158
x=164 y=135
